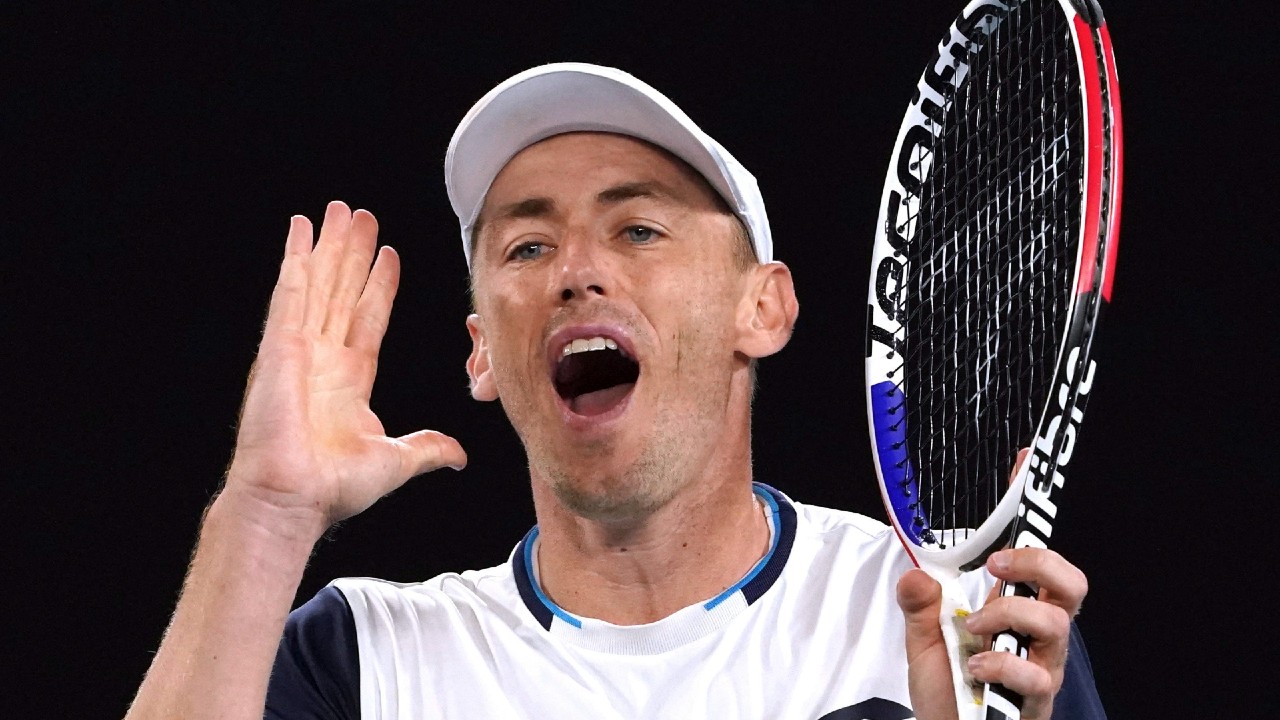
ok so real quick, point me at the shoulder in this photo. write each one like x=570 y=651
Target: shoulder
x=473 y=590
x=825 y=521
x=861 y=558
x=358 y=629
x=840 y=581
x=407 y=624
x=845 y=544
x=324 y=612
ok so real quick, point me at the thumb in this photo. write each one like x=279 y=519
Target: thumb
x=428 y=450
x=920 y=598
x=928 y=665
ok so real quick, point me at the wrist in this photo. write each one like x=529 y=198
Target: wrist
x=256 y=518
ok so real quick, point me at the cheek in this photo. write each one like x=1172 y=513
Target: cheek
x=511 y=336
x=701 y=326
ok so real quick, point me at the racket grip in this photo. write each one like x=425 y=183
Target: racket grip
x=961 y=645
x=1000 y=702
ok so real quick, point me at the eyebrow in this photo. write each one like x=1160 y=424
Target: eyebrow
x=630 y=191
x=535 y=207
x=528 y=208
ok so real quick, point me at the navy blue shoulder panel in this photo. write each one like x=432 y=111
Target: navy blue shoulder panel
x=1078 y=697
x=317 y=670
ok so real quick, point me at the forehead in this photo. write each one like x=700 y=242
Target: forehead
x=588 y=162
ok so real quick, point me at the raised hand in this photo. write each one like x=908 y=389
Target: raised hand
x=309 y=452
x=308 y=442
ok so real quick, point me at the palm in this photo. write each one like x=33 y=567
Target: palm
x=308 y=438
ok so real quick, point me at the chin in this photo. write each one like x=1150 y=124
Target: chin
x=637 y=494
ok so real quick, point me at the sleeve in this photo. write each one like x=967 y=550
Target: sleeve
x=1078 y=697
x=317 y=668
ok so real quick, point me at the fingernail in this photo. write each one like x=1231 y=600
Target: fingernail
x=978 y=663
x=972 y=619
x=1000 y=560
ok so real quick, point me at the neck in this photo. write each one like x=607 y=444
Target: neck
x=706 y=539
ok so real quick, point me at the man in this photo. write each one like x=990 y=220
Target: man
x=624 y=289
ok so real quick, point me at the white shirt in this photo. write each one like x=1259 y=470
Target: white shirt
x=812 y=632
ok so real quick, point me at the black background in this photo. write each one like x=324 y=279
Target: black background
x=153 y=159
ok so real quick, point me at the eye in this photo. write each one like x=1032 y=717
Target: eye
x=527 y=251
x=640 y=235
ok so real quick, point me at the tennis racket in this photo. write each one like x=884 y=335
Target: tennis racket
x=993 y=260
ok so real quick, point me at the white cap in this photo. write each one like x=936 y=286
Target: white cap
x=567 y=97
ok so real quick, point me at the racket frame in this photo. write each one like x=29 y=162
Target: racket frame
x=1024 y=517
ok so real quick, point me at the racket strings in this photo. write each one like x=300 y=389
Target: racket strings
x=989 y=271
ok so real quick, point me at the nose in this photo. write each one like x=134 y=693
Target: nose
x=582 y=274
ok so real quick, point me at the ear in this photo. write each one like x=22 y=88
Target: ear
x=768 y=310
x=479 y=369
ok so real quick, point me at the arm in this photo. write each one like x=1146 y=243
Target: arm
x=216 y=655
x=309 y=452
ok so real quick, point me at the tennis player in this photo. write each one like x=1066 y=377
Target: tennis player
x=624 y=288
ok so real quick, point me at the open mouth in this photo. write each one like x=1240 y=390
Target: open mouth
x=594 y=376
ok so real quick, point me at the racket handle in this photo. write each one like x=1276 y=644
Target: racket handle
x=1002 y=703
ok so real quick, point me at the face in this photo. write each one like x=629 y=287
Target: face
x=607 y=319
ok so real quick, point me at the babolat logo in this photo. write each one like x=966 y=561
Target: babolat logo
x=925 y=121
x=1038 y=509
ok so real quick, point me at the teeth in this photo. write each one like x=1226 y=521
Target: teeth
x=588 y=344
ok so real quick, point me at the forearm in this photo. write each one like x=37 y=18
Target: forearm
x=216 y=657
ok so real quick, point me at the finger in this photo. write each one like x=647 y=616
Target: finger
x=1046 y=624
x=325 y=260
x=289 y=298
x=373 y=311
x=428 y=450
x=353 y=272
x=1034 y=683
x=920 y=598
x=1060 y=582
x=285 y=316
